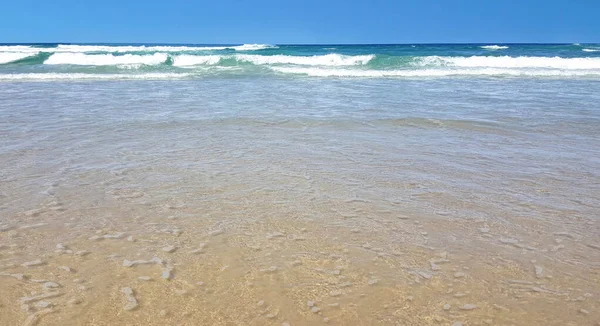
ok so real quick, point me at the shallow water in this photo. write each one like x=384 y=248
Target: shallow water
x=307 y=201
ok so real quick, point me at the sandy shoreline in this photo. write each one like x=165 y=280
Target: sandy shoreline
x=133 y=203
x=254 y=268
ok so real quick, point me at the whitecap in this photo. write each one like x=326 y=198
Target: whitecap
x=194 y=60
x=19 y=48
x=253 y=47
x=75 y=48
x=105 y=59
x=332 y=59
x=158 y=48
x=509 y=62
x=80 y=48
x=494 y=47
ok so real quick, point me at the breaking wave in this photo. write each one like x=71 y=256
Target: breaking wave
x=75 y=48
x=317 y=60
x=196 y=60
x=494 y=47
x=105 y=59
x=509 y=62
x=9 y=57
x=65 y=61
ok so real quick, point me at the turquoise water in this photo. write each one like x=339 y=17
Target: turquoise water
x=139 y=61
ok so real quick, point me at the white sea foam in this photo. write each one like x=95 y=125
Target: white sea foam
x=336 y=72
x=186 y=60
x=317 y=60
x=105 y=59
x=121 y=49
x=591 y=50
x=509 y=62
x=68 y=48
x=7 y=57
x=195 y=60
x=130 y=66
x=332 y=59
x=253 y=47
x=82 y=76
x=142 y=48
x=494 y=47
x=18 y=48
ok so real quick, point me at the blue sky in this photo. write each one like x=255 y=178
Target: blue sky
x=300 y=21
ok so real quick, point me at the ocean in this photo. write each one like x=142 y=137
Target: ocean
x=450 y=184
x=110 y=61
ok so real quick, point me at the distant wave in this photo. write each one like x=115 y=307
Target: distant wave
x=509 y=62
x=316 y=60
x=195 y=60
x=328 y=60
x=129 y=48
x=494 y=47
x=94 y=62
x=105 y=59
x=19 y=48
x=254 y=47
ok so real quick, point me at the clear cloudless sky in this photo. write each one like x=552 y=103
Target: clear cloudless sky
x=300 y=21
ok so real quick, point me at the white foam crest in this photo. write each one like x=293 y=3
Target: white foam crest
x=143 y=48
x=18 y=48
x=64 y=48
x=253 y=47
x=333 y=72
x=118 y=48
x=130 y=66
x=83 y=76
x=332 y=59
x=195 y=60
x=317 y=60
x=105 y=59
x=494 y=47
x=510 y=62
x=7 y=57
x=591 y=50
x=74 y=48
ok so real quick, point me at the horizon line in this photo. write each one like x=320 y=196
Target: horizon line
x=296 y=44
